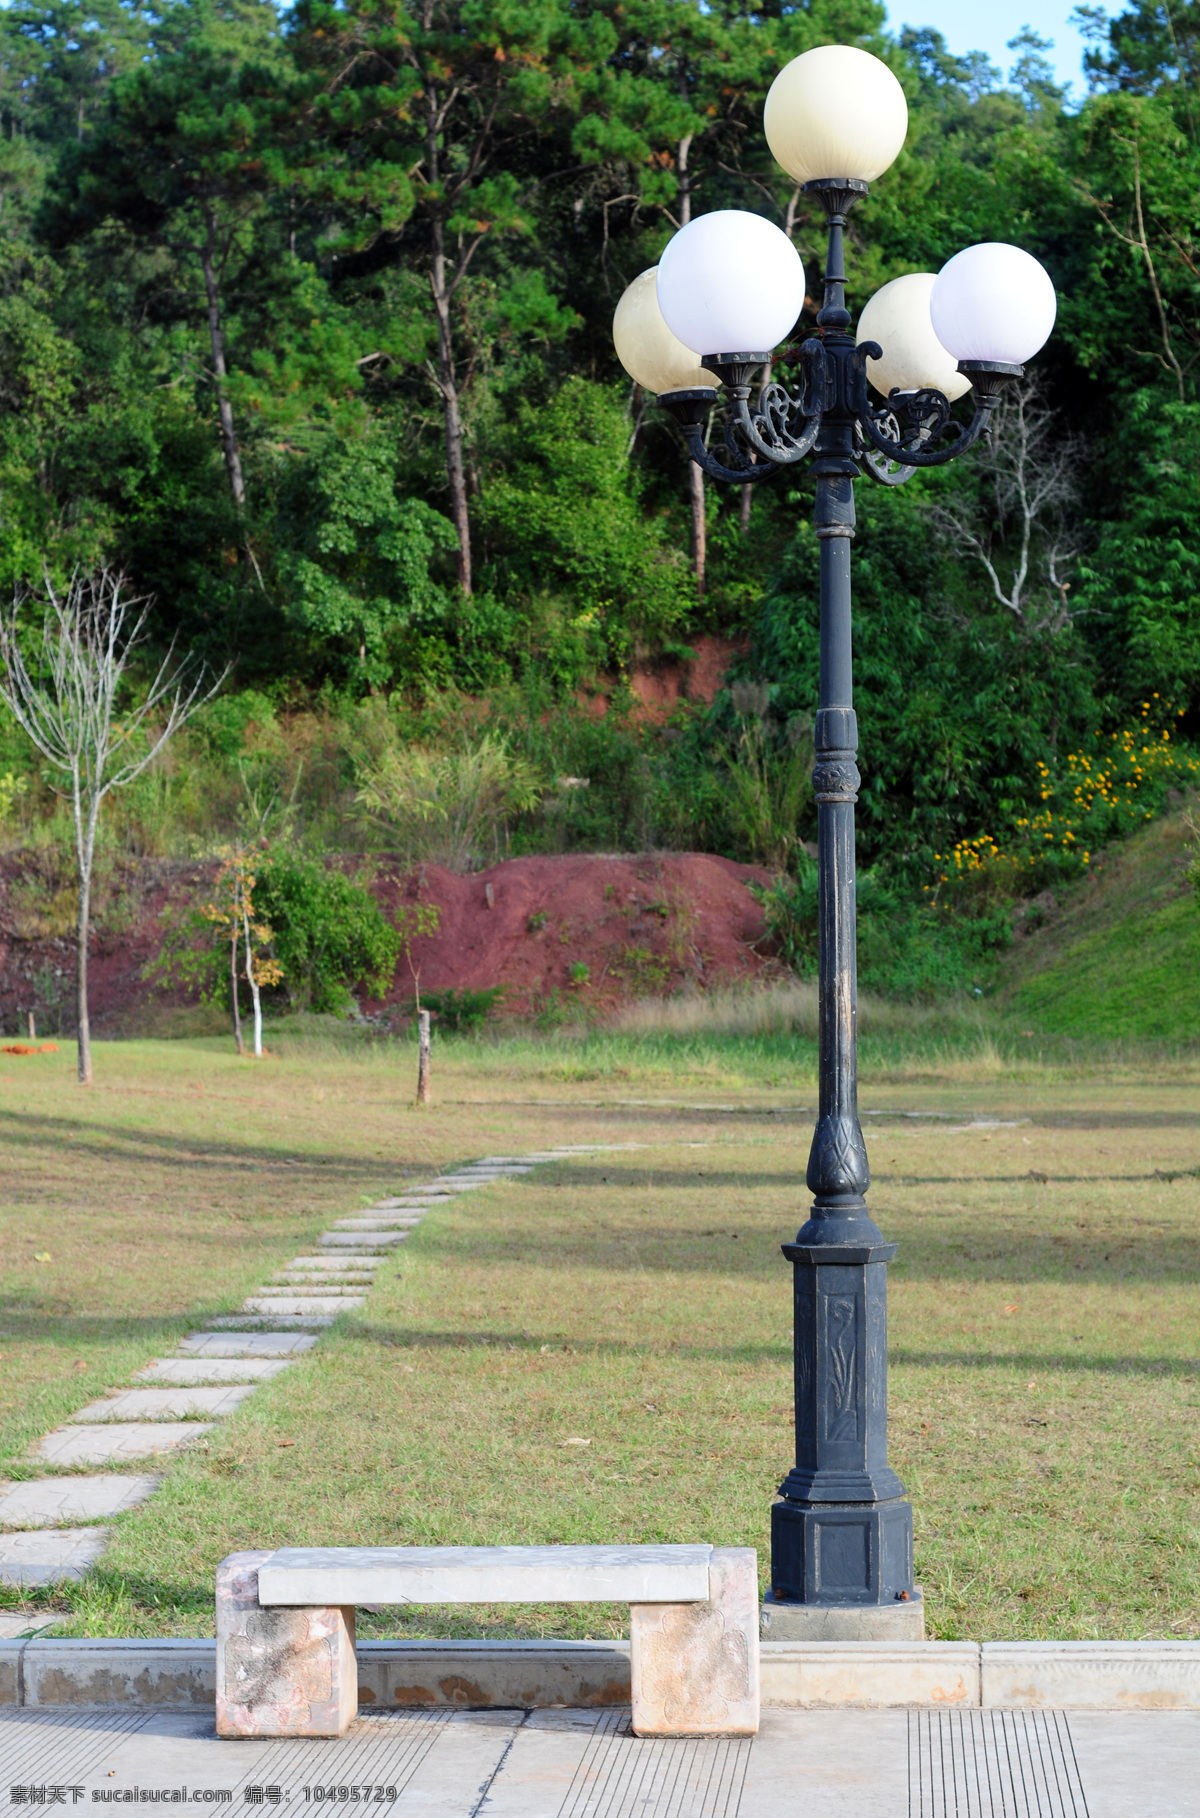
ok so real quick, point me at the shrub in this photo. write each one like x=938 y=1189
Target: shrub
x=464 y=1012
x=905 y=949
x=444 y=805
x=330 y=933
x=790 y=911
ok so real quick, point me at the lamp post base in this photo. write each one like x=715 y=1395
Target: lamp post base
x=842 y=1621
x=842 y=1553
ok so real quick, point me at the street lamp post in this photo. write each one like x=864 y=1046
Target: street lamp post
x=841 y=1531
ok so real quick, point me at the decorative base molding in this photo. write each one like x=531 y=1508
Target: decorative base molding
x=843 y=1621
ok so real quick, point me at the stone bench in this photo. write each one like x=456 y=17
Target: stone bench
x=285 y=1626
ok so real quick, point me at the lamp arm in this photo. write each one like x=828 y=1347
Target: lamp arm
x=690 y=410
x=903 y=429
x=782 y=428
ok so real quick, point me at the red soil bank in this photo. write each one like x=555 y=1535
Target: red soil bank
x=640 y=926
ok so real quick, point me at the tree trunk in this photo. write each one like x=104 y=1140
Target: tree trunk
x=84 y=1028
x=447 y=385
x=255 y=993
x=685 y=178
x=699 y=536
x=216 y=337
x=85 y=853
x=233 y=988
x=699 y=527
x=423 y=1057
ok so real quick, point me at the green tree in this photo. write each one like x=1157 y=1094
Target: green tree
x=359 y=560
x=184 y=159
x=58 y=61
x=433 y=109
x=563 y=514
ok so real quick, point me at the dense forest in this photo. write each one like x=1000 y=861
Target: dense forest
x=305 y=324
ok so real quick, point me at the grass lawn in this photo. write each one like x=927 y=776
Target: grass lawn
x=1044 y=1386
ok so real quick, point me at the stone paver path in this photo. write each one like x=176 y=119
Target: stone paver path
x=166 y=1404
x=47 y=1555
x=212 y=1373
x=106 y=1442
x=57 y=1502
x=213 y=1369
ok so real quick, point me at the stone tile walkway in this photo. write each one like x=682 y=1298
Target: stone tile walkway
x=50 y=1502
x=108 y=1442
x=586 y=1764
x=47 y=1555
x=42 y=1540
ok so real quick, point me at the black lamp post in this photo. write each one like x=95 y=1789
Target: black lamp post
x=841 y=1532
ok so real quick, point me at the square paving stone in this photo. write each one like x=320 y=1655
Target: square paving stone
x=211 y=1369
x=273 y=1322
x=273 y=1290
x=21 y=1627
x=322 y=1303
x=356 y=1240
x=304 y=1281
x=385 y=1221
x=106 y=1444
x=48 y=1555
x=331 y=1263
x=295 y=1281
x=247 y=1344
x=52 y=1502
x=165 y=1404
x=424 y=1196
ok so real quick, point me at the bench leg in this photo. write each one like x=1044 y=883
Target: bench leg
x=694 y=1666
x=280 y=1671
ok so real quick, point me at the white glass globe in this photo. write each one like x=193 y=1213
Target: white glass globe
x=645 y=346
x=730 y=282
x=897 y=316
x=835 y=112
x=993 y=303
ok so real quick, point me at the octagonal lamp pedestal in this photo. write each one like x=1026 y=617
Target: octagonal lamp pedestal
x=841 y=1535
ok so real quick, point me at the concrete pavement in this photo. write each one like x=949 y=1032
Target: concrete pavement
x=585 y=1764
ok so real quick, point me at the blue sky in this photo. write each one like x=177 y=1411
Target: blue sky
x=987 y=25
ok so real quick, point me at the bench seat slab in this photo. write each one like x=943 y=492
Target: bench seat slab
x=280 y=1672
x=694 y=1667
x=308 y=1576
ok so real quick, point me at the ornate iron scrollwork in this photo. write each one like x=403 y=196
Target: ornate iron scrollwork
x=780 y=429
x=891 y=441
x=783 y=427
x=913 y=429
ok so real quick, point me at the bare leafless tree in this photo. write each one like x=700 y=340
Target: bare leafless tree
x=66 y=702
x=1027 y=536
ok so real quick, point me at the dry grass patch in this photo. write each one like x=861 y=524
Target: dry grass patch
x=1044 y=1319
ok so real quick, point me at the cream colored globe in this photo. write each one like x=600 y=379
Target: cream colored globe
x=835 y=112
x=897 y=316
x=645 y=346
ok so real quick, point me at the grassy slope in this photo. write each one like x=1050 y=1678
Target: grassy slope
x=1122 y=959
